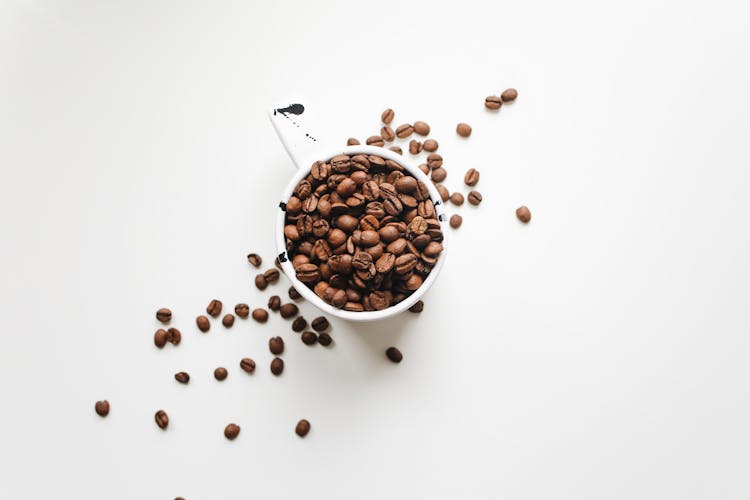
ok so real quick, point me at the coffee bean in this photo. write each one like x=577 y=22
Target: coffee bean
x=277 y=263
x=493 y=102
x=438 y=174
x=509 y=95
x=387 y=134
x=396 y=149
x=474 y=197
x=472 y=177
x=415 y=147
x=276 y=345
x=523 y=213
x=203 y=324
x=404 y=130
x=302 y=428
x=307 y=273
x=387 y=116
x=260 y=282
x=220 y=373
x=463 y=129
x=434 y=160
x=394 y=354
x=164 y=315
x=274 y=303
x=162 y=420
x=242 y=310
x=352 y=142
x=294 y=294
x=421 y=128
x=227 y=320
x=424 y=168
x=271 y=275
x=248 y=365
x=320 y=324
x=102 y=408
x=277 y=366
x=417 y=307
x=254 y=259
x=231 y=431
x=455 y=221
x=182 y=377
x=299 y=324
x=179 y=498
x=174 y=336
x=430 y=145
x=260 y=315
x=443 y=192
x=214 y=308
x=375 y=140
x=324 y=339
x=160 y=338
x=289 y=310
x=309 y=338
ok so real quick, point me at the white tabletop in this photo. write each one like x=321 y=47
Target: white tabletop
x=601 y=352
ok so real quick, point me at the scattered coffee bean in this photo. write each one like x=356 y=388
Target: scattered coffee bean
x=474 y=197
x=182 y=377
x=417 y=307
x=457 y=199
x=164 y=315
x=375 y=140
x=394 y=354
x=456 y=221
x=289 y=310
x=387 y=134
x=302 y=428
x=523 y=213
x=102 y=408
x=299 y=324
x=404 y=130
x=294 y=294
x=220 y=373
x=463 y=129
x=430 y=145
x=421 y=128
x=352 y=142
x=309 y=338
x=434 y=160
x=227 y=320
x=260 y=315
x=438 y=174
x=271 y=275
x=162 y=420
x=203 y=324
x=274 y=303
x=179 y=498
x=324 y=339
x=493 y=102
x=248 y=365
x=276 y=345
x=472 y=177
x=396 y=149
x=260 y=282
x=254 y=259
x=509 y=95
x=160 y=338
x=174 y=336
x=214 y=308
x=277 y=366
x=231 y=431
x=387 y=116
x=242 y=310
x=415 y=147
x=320 y=324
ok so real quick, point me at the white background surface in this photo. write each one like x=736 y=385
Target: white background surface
x=601 y=352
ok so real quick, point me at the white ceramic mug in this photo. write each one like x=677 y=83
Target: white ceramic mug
x=305 y=148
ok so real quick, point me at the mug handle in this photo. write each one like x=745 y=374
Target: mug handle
x=298 y=140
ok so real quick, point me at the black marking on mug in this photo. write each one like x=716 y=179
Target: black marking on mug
x=441 y=217
x=294 y=109
x=282 y=206
x=436 y=203
x=282 y=257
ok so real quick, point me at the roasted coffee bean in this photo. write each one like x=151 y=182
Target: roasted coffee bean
x=444 y=195
x=463 y=129
x=509 y=95
x=309 y=338
x=375 y=140
x=387 y=116
x=174 y=336
x=417 y=307
x=493 y=102
x=396 y=149
x=308 y=273
x=248 y=365
x=162 y=419
x=299 y=324
x=387 y=134
x=424 y=168
x=203 y=324
x=404 y=130
x=320 y=324
x=434 y=160
x=455 y=221
x=271 y=275
x=214 y=308
x=254 y=259
x=392 y=205
x=242 y=310
x=260 y=315
x=457 y=199
x=302 y=428
x=276 y=345
x=294 y=294
x=227 y=320
x=182 y=377
x=221 y=373
x=474 y=197
x=160 y=338
x=277 y=366
x=405 y=263
x=231 y=431
x=421 y=128
x=102 y=408
x=430 y=145
x=394 y=354
x=415 y=147
x=352 y=142
x=472 y=177
x=288 y=311
x=523 y=213
x=164 y=315
x=406 y=184
x=438 y=174
x=274 y=303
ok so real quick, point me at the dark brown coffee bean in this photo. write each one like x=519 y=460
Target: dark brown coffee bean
x=457 y=199
x=430 y=145
x=260 y=315
x=474 y=197
x=463 y=129
x=421 y=128
x=203 y=324
x=438 y=174
x=277 y=366
x=231 y=431
x=493 y=102
x=444 y=195
x=302 y=428
x=102 y=408
x=523 y=213
x=182 y=377
x=162 y=419
x=405 y=263
x=387 y=116
x=309 y=338
x=174 y=336
x=307 y=273
x=472 y=177
x=164 y=315
x=352 y=142
x=160 y=338
x=248 y=365
x=271 y=275
x=394 y=354
x=260 y=282
x=220 y=373
x=294 y=294
x=392 y=206
x=456 y=221
x=406 y=184
x=288 y=311
x=417 y=307
x=415 y=147
x=227 y=320
x=242 y=310
x=324 y=339
x=509 y=95
x=214 y=308
x=254 y=259
x=375 y=140
x=299 y=324
x=404 y=130
x=387 y=134
x=276 y=345
x=320 y=324
x=434 y=160
x=274 y=303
